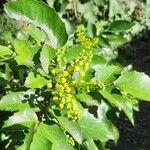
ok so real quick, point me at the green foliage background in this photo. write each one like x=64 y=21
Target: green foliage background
x=42 y=58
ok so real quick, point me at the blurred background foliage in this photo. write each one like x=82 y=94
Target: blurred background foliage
x=97 y=16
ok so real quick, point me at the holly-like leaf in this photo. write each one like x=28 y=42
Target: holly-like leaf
x=55 y=134
x=41 y=15
x=120 y=26
x=14 y=102
x=72 y=128
x=22 y=118
x=73 y=52
x=98 y=128
x=106 y=73
x=40 y=142
x=35 y=82
x=135 y=83
x=23 y=53
x=98 y=60
x=5 y=52
x=119 y=101
x=88 y=99
x=46 y=55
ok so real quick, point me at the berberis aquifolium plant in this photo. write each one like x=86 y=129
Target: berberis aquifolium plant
x=61 y=96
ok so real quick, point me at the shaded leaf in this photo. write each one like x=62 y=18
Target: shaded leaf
x=46 y=55
x=14 y=102
x=55 y=134
x=91 y=145
x=120 y=26
x=5 y=51
x=115 y=39
x=97 y=128
x=119 y=101
x=25 y=118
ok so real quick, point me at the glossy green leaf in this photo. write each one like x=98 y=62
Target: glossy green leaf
x=106 y=73
x=119 y=101
x=23 y=53
x=120 y=26
x=55 y=134
x=36 y=33
x=40 y=143
x=14 y=102
x=73 y=52
x=24 y=118
x=41 y=15
x=135 y=83
x=98 y=128
x=88 y=99
x=46 y=55
x=90 y=145
x=115 y=40
x=72 y=128
x=98 y=60
x=34 y=49
x=5 y=51
x=35 y=82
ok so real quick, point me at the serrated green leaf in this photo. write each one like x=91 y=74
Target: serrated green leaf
x=97 y=128
x=135 y=83
x=119 y=101
x=23 y=53
x=35 y=82
x=46 y=55
x=73 y=52
x=40 y=15
x=22 y=118
x=106 y=73
x=120 y=26
x=72 y=128
x=55 y=134
x=14 y=102
x=5 y=52
x=86 y=98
